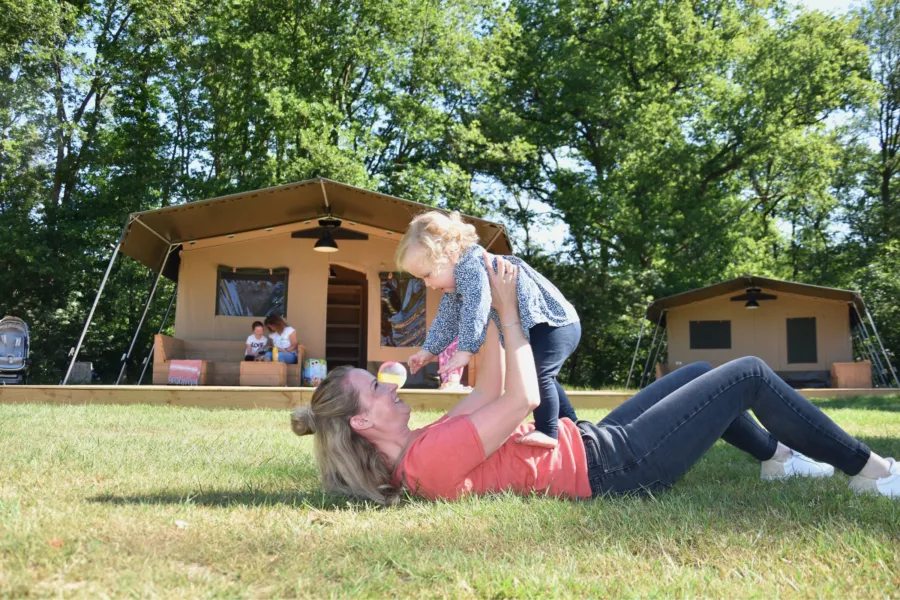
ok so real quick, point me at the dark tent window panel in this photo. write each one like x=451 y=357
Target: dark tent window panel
x=710 y=335
x=251 y=292
x=402 y=310
x=801 y=340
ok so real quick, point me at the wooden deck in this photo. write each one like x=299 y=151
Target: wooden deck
x=282 y=398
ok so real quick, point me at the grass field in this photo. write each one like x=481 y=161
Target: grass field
x=116 y=501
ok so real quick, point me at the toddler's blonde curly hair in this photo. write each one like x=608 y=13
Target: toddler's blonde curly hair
x=442 y=237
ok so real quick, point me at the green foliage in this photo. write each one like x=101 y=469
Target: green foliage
x=110 y=108
x=681 y=143
x=880 y=285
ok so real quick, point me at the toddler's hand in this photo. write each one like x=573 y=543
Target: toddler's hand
x=419 y=360
x=457 y=361
x=538 y=440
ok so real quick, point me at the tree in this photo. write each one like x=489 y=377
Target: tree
x=672 y=139
x=880 y=30
x=679 y=142
x=111 y=107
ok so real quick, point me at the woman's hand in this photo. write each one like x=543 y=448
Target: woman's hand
x=504 y=284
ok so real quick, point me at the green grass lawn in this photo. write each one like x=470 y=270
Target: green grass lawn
x=116 y=501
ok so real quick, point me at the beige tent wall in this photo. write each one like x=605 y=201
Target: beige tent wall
x=762 y=332
x=195 y=317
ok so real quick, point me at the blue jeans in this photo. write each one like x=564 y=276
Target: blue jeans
x=651 y=440
x=551 y=346
x=284 y=356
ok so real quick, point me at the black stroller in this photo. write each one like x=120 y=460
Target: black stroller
x=14 y=349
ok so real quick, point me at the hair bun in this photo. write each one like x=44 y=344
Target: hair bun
x=302 y=421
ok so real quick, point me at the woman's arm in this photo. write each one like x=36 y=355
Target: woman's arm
x=496 y=420
x=293 y=340
x=490 y=376
x=475 y=311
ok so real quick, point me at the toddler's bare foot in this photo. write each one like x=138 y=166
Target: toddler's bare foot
x=538 y=440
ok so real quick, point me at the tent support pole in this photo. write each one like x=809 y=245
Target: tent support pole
x=91 y=313
x=663 y=340
x=636 y=347
x=652 y=346
x=877 y=366
x=137 y=331
x=161 y=327
x=887 y=359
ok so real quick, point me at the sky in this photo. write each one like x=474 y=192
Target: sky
x=548 y=237
x=832 y=6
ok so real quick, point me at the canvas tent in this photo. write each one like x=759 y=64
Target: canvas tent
x=802 y=331
x=207 y=246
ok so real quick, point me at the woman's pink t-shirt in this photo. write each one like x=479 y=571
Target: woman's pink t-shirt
x=446 y=460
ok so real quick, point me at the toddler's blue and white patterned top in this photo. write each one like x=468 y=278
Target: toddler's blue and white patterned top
x=465 y=312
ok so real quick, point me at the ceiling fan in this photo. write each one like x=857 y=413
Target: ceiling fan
x=327 y=232
x=752 y=296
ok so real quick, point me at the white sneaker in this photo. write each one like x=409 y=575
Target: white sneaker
x=798 y=465
x=890 y=486
x=886 y=486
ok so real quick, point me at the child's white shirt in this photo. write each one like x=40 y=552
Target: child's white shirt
x=257 y=344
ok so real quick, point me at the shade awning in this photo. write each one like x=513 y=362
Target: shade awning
x=149 y=234
x=656 y=308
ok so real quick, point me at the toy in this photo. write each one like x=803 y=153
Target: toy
x=392 y=372
x=313 y=371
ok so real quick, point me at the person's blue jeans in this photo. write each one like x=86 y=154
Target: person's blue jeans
x=651 y=440
x=284 y=356
x=551 y=346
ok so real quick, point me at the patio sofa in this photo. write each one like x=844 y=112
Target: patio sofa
x=222 y=359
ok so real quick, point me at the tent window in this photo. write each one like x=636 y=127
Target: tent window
x=402 y=310
x=801 y=340
x=710 y=335
x=251 y=292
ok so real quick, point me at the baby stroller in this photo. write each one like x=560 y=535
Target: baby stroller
x=14 y=348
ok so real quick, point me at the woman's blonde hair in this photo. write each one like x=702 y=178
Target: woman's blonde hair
x=348 y=463
x=440 y=235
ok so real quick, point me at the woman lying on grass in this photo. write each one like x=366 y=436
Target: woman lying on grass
x=364 y=446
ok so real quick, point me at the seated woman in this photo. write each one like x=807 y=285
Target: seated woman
x=283 y=337
x=364 y=446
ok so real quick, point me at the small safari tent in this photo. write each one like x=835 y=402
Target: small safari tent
x=319 y=253
x=812 y=336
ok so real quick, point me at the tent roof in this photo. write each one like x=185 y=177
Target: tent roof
x=656 y=308
x=149 y=234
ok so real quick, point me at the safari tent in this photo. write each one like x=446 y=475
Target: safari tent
x=318 y=252
x=812 y=336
